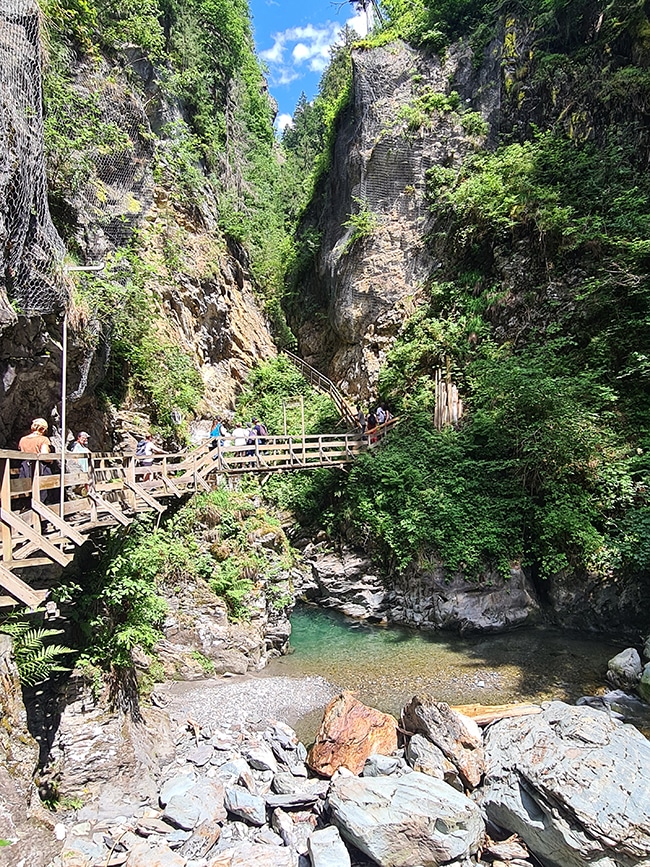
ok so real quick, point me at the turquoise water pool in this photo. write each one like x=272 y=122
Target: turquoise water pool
x=386 y=666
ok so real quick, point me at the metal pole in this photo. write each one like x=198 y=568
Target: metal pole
x=64 y=389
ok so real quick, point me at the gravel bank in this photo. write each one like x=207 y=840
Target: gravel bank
x=247 y=700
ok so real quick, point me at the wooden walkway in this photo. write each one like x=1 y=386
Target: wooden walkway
x=38 y=530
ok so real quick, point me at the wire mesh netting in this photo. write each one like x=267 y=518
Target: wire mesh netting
x=31 y=251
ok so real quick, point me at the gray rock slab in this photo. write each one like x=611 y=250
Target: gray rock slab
x=255 y=855
x=201 y=755
x=183 y=811
x=175 y=786
x=240 y=802
x=457 y=736
x=327 y=849
x=282 y=824
x=260 y=756
x=144 y=855
x=284 y=783
x=401 y=821
x=574 y=784
x=210 y=795
x=427 y=758
x=295 y=801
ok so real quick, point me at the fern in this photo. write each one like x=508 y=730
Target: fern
x=35 y=660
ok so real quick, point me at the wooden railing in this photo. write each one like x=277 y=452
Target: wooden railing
x=322 y=383
x=39 y=527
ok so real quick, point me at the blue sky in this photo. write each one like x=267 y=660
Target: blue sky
x=293 y=38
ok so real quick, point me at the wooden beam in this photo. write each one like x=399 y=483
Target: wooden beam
x=34 y=536
x=101 y=503
x=169 y=484
x=482 y=714
x=23 y=592
x=49 y=515
x=144 y=495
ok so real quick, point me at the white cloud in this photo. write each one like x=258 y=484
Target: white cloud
x=300 y=52
x=298 y=49
x=283 y=121
x=361 y=22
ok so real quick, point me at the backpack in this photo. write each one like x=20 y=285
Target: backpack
x=141 y=447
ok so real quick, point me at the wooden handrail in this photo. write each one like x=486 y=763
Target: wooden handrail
x=112 y=490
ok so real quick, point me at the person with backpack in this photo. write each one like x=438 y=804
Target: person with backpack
x=217 y=433
x=260 y=431
x=146 y=449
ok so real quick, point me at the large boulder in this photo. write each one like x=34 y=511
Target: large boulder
x=431 y=598
x=458 y=737
x=624 y=670
x=574 y=784
x=350 y=732
x=407 y=820
x=348 y=582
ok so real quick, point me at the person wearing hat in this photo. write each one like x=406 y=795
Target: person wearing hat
x=81 y=445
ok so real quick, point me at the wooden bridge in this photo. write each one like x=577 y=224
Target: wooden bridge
x=39 y=527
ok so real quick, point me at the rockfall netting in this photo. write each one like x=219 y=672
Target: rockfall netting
x=31 y=251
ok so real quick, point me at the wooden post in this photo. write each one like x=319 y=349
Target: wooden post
x=92 y=490
x=284 y=417
x=448 y=394
x=36 y=492
x=302 y=424
x=5 y=501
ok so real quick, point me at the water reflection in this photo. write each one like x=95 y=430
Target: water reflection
x=385 y=666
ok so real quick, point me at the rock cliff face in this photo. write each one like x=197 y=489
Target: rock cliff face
x=201 y=287
x=369 y=286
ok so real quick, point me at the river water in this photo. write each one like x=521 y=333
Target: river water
x=387 y=665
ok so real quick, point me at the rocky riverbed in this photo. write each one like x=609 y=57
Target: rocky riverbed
x=564 y=785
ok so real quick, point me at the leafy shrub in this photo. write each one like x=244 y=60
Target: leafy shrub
x=278 y=382
x=363 y=224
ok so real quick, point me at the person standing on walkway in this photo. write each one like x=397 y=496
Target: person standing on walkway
x=149 y=450
x=80 y=446
x=371 y=427
x=36 y=443
x=361 y=420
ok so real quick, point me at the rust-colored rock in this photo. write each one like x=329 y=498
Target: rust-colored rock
x=350 y=732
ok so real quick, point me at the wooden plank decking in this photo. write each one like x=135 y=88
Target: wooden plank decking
x=37 y=529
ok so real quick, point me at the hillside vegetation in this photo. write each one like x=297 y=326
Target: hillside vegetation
x=540 y=304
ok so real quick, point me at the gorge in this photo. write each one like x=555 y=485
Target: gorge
x=462 y=210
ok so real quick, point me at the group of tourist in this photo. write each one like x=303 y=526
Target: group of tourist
x=369 y=424
x=243 y=436
x=37 y=442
